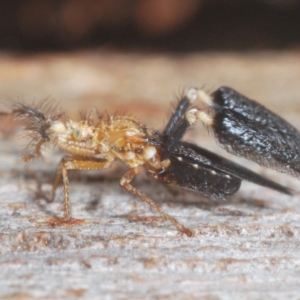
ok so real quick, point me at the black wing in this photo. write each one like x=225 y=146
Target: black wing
x=198 y=176
x=194 y=168
x=222 y=164
x=246 y=128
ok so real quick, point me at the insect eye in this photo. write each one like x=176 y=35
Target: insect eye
x=76 y=134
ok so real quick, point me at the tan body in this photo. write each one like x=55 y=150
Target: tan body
x=92 y=147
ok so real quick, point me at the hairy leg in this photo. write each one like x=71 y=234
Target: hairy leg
x=126 y=183
x=69 y=163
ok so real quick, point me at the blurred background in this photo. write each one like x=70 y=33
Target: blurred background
x=160 y=25
x=136 y=56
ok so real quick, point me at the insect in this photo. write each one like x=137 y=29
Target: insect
x=242 y=126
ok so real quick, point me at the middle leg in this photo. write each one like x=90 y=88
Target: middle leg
x=69 y=163
x=126 y=183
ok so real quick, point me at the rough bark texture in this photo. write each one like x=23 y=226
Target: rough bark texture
x=116 y=248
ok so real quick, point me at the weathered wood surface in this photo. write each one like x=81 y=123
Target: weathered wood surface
x=247 y=248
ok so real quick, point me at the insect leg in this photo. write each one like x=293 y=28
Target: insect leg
x=178 y=124
x=69 y=163
x=126 y=183
x=177 y=115
x=56 y=181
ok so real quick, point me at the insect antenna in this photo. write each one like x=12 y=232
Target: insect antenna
x=37 y=122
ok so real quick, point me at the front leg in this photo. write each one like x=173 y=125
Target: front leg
x=69 y=163
x=125 y=182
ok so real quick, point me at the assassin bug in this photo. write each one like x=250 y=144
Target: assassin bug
x=242 y=126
